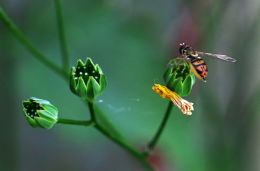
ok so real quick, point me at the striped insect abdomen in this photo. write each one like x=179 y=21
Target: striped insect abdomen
x=199 y=67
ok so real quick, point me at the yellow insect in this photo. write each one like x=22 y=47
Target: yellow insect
x=198 y=64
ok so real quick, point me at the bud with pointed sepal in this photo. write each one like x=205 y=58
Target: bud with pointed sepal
x=40 y=113
x=179 y=77
x=87 y=80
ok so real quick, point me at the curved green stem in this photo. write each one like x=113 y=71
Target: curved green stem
x=139 y=156
x=125 y=146
x=62 y=37
x=92 y=112
x=29 y=46
x=157 y=135
x=74 y=122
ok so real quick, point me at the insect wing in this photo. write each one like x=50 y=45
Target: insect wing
x=219 y=56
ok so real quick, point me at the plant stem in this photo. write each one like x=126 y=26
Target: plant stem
x=92 y=112
x=29 y=46
x=139 y=156
x=125 y=146
x=62 y=37
x=74 y=122
x=156 y=137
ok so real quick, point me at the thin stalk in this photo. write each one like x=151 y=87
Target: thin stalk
x=139 y=156
x=29 y=46
x=62 y=37
x=74 y=122
x=92 y=112
x=158 y=134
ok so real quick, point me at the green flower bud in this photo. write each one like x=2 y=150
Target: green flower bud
x=87 y=80
x=40 y=113
x=179 y=77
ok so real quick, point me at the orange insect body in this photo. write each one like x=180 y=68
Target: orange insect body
x=198 y=65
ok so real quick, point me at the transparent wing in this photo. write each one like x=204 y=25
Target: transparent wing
x=219 y=56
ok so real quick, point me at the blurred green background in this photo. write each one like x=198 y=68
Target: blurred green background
x=133 y=40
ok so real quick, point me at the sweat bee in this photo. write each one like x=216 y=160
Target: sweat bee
x=198 y=65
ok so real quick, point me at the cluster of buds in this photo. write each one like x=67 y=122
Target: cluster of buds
x=40 y=113
x=179 y=82
x=87 y=80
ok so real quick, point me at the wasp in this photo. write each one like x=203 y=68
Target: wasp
x=197 y=63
